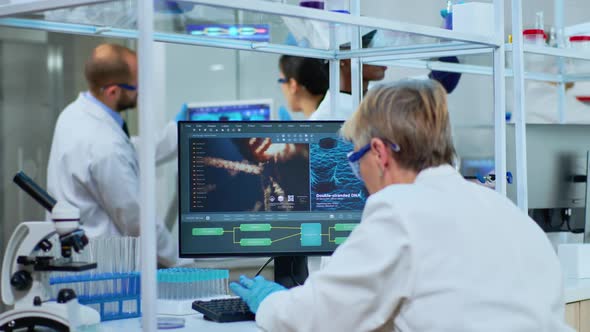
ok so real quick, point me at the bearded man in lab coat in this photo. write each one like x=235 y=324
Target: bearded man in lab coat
x=93 y=163
x=433 y=252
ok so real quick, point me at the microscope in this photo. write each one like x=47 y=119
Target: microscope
x=25 y=271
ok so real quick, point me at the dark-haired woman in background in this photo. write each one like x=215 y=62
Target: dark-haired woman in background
x=304 y=82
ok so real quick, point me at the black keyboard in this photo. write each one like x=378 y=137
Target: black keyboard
x=224 y=310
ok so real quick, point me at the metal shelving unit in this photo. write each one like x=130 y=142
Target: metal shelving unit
x=488 y=70
x=440 y=42
x=518 y=51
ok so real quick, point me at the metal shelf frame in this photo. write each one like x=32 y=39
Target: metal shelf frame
x=519 y=106
x=388 y=60
x=100 y=31
x=567 y=53
x=352 y=20
x=481 y=70
x=455 y=44
x=368 y=55
x=43 y=5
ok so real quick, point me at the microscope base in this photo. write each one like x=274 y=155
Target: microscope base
x=64 y=317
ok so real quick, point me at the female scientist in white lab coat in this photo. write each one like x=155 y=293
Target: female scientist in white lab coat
x=93 y=163
x=304 y=82
x=433 y=252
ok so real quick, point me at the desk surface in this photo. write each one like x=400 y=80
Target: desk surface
x=193 y=323
x=576 y=290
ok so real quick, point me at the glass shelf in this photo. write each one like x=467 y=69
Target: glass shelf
x=249 y=25
x=541 y=64
x=568 y=53
x=42 y=5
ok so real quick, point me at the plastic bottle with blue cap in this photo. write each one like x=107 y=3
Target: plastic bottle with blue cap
x=340 y=6
x=447 y=13
x=317 y=4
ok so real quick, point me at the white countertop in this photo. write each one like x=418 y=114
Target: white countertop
x=576 y=290
x=193 y=323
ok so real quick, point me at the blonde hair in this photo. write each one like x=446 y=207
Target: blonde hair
x=412 y=114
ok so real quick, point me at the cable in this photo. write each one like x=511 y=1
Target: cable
x=549 y=216
x=292 y=274
x=566 y=215
x=263 y=266
x=292 y=270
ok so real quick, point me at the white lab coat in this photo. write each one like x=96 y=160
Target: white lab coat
x=542 y=103
x=441 y=254
x=542 y=98
x=93 y=166
x=343 y=111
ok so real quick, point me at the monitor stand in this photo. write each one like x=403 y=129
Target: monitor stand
x=290 y=271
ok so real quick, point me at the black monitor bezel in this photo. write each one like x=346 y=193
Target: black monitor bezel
x=234 y=254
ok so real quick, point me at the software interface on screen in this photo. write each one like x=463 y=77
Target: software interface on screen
x=265 y=188
x=255 y=110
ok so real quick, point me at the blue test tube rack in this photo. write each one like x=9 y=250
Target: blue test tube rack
x=113 y=295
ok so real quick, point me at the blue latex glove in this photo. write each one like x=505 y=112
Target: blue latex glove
x=254 y=291
x=448 y=80
x=172 y=7
x=291 y=40
x=182 y=115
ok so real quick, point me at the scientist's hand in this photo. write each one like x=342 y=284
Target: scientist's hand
x=182 y=115
x=263 y=150
x=254 y=291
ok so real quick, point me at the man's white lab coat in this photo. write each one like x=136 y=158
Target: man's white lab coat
x=93 y=166
x=441 y=254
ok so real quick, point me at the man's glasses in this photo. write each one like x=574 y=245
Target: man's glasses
x=124 y=86
x=282 y=80
x=354 y=158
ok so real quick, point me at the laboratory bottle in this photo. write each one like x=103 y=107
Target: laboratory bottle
x=318 y=4
x=337 y=5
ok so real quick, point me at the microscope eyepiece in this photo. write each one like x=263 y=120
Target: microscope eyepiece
x=34 y=190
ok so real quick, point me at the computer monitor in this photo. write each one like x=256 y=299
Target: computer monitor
x=238 y=110
x=556 y=164
x=278 y=188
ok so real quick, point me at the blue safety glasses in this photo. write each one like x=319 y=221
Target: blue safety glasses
x=354 y=158
x=124 y=86
x=127 y=87
x=282 y=80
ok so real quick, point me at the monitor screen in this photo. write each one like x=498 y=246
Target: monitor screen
x=556 y=159
x=265 y=188
x=240 y=110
